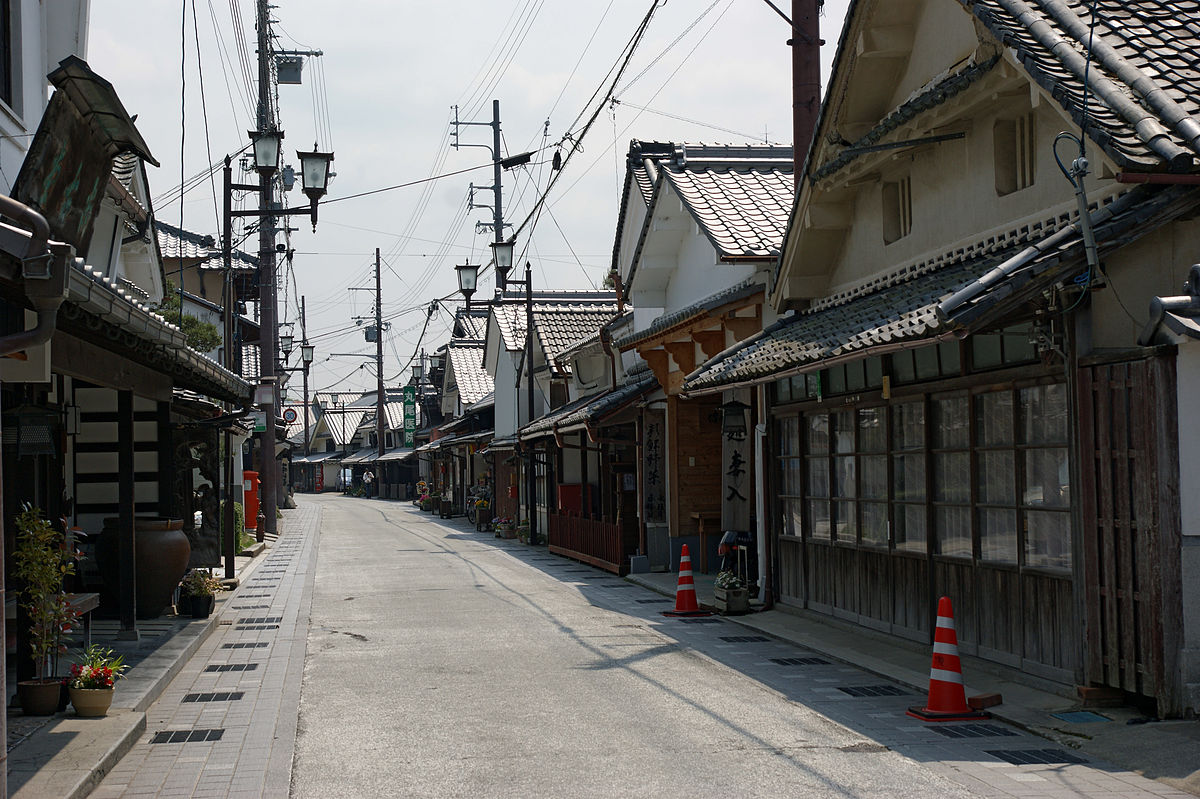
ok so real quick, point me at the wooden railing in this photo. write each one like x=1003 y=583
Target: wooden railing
x=589 y=540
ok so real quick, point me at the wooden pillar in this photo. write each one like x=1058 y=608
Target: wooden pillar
x=166 y=465
x=126 y=546
x=585 y=505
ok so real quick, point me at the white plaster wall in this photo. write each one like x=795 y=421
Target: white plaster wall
x=506 y=405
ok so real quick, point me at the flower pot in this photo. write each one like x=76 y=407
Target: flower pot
x=732 y=600
x=91 y=702
x=40 y=697
x=198 y=607
x=162 y=554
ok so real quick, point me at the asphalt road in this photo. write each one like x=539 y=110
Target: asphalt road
x=446 y=663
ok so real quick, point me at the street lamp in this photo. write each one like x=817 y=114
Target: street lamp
x=468 y=277
x=530 y=479
x=314 y=171
x=306 y=354
x=285 y=344
x=502 y=253
x=266 y=146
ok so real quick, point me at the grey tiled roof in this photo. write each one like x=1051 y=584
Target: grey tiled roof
x=250 y=362
x=175 y=242
x=470 y=326
x=744 y=212
x=557 y=324
x=124 y=167
x=342 y=424
x=589 y=410
x=467 y=362
x=747 y=288
x=904 y=306
x=1142 y=102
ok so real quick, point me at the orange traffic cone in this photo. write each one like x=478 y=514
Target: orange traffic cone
x=947 y=697
x=685 y=590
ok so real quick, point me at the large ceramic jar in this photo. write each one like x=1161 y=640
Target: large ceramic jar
x=162 y=558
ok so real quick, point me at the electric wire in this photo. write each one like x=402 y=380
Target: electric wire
x=204 y=109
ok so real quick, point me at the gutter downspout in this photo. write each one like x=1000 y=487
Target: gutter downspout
x=766 y=588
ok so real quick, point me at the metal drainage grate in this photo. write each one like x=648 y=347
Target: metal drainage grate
x=246 y=645
x=254 y=596
x=1029 y=757
x=1080 y=717
x=799 y=661
x=654 y=602
x=251 y=607
x=258 y=627
x=223 y=667
x=872 y=690
x=260 y=620
x=219 y=696
x=701 y=621
x=186 y=736
x=744 y=639
x=974 y=731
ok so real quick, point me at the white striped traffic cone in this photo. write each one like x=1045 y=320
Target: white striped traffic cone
x=685 y=590
x=947 y=697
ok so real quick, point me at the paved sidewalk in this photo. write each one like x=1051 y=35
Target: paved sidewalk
x=1168 y=751
x=67 y=756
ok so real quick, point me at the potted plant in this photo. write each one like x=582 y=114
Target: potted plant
x=523 y=531
x=426 y=502
x=92 y=679
x=730 y=592
x=504 y=527
x=41 y=560
x=198 y=593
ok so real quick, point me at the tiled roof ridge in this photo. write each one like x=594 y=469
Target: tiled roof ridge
x=1116 y=119
x=747 y=287
x=995 y=244
x=936 y=94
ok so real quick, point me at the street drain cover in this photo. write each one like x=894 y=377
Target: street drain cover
x=217 y=696
x=223 y=667
x=744 y=639
x=186 y=736
x=801 y=662
x=1080 y=717
x=260 y=620
x=246 y=645
x=1028 y=757
x=973 y=731
x=871 y=690
x=654 y=602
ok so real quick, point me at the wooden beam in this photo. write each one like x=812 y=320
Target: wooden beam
x=711 y=341
x=659 y=363
x=743 y=326
x=683 y=353
x=126 y=547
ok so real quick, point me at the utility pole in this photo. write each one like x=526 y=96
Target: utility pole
x=380 y=401
x=304 y=341
x=233 y=484
x=497 y=223
x=268 y=338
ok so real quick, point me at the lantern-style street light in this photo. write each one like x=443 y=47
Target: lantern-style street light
x=266 y=145
x=468 y=278
x=502 y=254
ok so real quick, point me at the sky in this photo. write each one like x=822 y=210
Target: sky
x=381 y=96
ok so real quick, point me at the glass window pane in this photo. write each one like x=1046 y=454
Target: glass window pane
x=908 y=425
x=985 y=351
x=874 y=523
x=790 y=523
x=783 y=390
x=856 y=376
x=952 y=477
x=1048 y=539
x=843 y=429
x=953 y=531
x=951 y=423
x=951 y=356
x=817 y=426
x=998 y=535
x=910 y=527
x=844 y=484
x=837 y=379
x=818 y=516
x=798 y=387
x=1017 y=345
x=812 y=382
x=908 y=477
x=927 y=363
x=994 y=419
x=846 y=526
x=903 y=369
x=791 y=479
x=872 y=430
x=874 y=371
x=874 y=483
x=1044 y=414
x=1047 y=480
x=996 y=485
x=818 y=477
x=788 y=435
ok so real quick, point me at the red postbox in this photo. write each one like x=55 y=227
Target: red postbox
x=250 y=506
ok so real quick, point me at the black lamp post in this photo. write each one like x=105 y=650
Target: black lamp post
x=266 y=144
x=468 y=277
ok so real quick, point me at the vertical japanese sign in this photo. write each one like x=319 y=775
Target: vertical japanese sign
x=737 y=480
x=654 y=467
x=410 y=416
